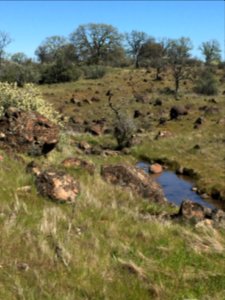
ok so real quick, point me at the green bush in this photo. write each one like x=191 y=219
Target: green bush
x=21 y=74
x=57 y=72
x=27 y=98
x=94 y=71
x=206 y=83
x=124 y=130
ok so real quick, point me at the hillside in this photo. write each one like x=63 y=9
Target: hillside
x=111 y=243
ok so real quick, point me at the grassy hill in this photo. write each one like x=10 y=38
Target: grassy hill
x=113 y=244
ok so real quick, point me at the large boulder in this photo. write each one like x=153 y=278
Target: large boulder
x=137 y=180
x=28 y=132
x=57 y=186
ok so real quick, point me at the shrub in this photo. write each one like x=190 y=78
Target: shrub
x=21 y=74
x=57 y=72
x=206 y=83
x=27 y=98
x=124 y=127
x=94 y=72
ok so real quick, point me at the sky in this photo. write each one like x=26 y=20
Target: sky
x=30 y=22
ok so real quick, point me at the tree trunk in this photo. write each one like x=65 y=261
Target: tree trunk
x=136 y=62
x=177 y=83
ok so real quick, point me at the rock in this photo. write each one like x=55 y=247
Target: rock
x=155 y=168
x=190 y=210
x=57 y=186
x=95 y=99
x=33 y=168
x=84 y=146
x=28 y=132
x=72 y=162
x=108 y=152
x=193 y=211
x=95 y=129
x=25 y=189
x=221 y=121
x=162 y=121
x=76 y=120
x=158 y=102
x=177 y=111
x=74 y=100
x=137 y=114
x=87 y=101
x=163 y=134
x=198 y=122
x=141 y=98
x=137 y=180
x=212 y=110
x=218 y=215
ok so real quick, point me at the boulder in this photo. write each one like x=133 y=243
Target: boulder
x=177 y=111
x=76 y=163
x=137 y=180
x=192 y=211
x=57 y=186
x=28 y=132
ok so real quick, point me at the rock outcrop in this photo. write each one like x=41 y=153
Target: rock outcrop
x=27 y=132
x=137 y=180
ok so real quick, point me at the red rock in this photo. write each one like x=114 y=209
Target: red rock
x=28 y=132
x=135 y=179
x=155 y=168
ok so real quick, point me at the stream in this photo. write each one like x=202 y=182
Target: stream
x=177 y=188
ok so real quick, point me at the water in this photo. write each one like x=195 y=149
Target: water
x=176 y=188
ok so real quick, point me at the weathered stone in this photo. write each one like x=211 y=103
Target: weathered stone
x=28 y=132
x=83 y=145
x=155 y=168
x=73 y=162
x=57 y=186
x=137 y=180
x=177 y=111
x=95 y=129
x=191 y=211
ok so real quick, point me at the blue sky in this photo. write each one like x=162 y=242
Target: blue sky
x=30 y=22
